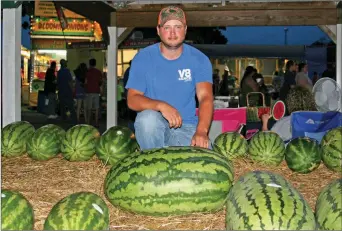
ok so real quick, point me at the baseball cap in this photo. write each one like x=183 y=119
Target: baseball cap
x=171 y=13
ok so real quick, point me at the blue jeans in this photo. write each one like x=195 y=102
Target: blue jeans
x=152 y=131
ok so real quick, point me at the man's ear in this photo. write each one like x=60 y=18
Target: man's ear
x=158 y=28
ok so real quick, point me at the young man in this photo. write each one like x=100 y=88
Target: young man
x=162 y=84
x=93 y=82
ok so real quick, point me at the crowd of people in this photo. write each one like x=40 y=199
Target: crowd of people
x=86 y=89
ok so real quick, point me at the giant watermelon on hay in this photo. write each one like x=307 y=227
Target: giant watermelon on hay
x=303 y=154
x=14 y=137
x=78 y=211
x=262 y=200
x=332 y=149
x=328 y=208
x=231 y=144
x=79 y=143
x=170 y=181
x=267 y=148
x=116 y=143
x=16 y=211
x=45 y=142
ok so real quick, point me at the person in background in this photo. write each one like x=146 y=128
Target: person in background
x=315 y=78
x=125 y=78
x=93 y=82
x=224 y=88
x=50 y=85
x=277 y=81
x=65 y=94
x=247 y=85
x=216 y=81
x=163 y=81
x=289 y=79
x=80 y=74
x=120 y=98
x=298 y=99
x=302 y=78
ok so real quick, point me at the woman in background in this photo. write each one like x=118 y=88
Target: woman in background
x=80 y=74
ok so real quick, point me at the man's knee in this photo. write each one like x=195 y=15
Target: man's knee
x=149 y=120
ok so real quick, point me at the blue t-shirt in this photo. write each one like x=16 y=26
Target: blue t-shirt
x=171 y=81
x=63 y=79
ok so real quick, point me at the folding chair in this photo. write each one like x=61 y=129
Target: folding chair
x=314 y=124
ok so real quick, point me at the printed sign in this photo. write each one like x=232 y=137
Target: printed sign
x=47 y=9
x=52 y=26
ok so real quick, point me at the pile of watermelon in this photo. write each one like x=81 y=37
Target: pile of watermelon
x=179 y=180
x=79 y=143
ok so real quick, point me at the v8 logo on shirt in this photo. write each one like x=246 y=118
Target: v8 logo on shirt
x=185 y=75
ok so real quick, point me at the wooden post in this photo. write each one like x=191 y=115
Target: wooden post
x=112 y=51
x=11 y=78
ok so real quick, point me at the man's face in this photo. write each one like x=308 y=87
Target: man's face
x=172 y=33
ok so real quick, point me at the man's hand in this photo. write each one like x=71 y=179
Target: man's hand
x=200 y=139
x=170 y=114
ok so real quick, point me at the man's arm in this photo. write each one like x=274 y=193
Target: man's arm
x=136 y=101
x=204 y=93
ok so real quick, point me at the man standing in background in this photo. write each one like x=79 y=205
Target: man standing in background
x=65 y=86
x=93 y=82
x=50 y=91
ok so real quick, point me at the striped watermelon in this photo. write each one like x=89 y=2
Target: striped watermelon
x=329 y=206
x=231 y=144
x=267 y=148
x=332 y=149
x=79 y=143
x=170 y=181
x=78 y=211
x=16 y=211
x=262 y=200
x=303 y=154
x=46 y=142
x=116 y=143
x=14 y=137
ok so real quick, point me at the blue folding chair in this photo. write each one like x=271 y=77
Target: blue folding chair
x=314 y=124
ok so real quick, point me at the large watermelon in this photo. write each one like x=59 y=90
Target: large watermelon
x=79 y=143
x=332 y=149
x=262 y=200
x=16 y=211
x=116 y=143
x=46 y=142
x=267 y=148
x=78 y=211
x=170 y=181
x=14 y=137
x=329 y=206
x=230 y=144
x=303 y=154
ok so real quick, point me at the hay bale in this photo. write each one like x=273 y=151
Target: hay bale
x=45 y=183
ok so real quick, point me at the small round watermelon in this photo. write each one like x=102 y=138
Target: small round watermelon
x=303 y=154
x=267 y=148
x=115 y=144
x=332 y=149
x=14 y=137
x=79 y=211
x=46 y=142
x=16 y=211
x=79 y=143
x=231 y=144
x=328 y=208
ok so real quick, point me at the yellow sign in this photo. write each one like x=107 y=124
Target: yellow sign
x=47 y=9
x=75 y=27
